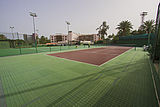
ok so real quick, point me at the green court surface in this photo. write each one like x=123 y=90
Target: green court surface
x=39 y=80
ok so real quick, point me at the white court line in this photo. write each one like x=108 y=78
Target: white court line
x=99 y=53
x=90 y=63
x=73 y=60
x=72 y=51
x=115 y=57
x=155 y=88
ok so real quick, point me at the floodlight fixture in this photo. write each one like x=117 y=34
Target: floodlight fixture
x=33 y=14
x=12 y=27
x=68 y=23
x=143 y=14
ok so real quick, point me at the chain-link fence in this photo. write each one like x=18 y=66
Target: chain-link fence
x=18 y=44
x=155 y=54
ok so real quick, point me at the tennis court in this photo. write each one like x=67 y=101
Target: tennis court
x=41 y=80
x=96 y=56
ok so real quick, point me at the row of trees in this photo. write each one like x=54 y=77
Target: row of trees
x=41 y=40
x=3 y=37
x=125 y=28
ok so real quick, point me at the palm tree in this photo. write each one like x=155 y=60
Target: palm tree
x=124 y=28
x=149 y=26
x=102 y=30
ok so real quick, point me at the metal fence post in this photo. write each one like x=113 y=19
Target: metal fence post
x=19 y=43
x=50 y=49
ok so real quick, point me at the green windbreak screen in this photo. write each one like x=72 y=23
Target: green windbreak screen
x=145 y=36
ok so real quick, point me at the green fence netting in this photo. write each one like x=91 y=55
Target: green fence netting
x=139 y=40
x=19 y=44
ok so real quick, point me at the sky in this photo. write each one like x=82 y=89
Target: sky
x=84 y=15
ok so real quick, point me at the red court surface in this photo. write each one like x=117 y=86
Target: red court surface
x=95 y=56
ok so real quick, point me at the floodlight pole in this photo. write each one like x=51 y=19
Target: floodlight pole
x=68 y=30
x=37 y=35
x=12 y=27
x=34 y=28
x=143 y=14
x=19 y=43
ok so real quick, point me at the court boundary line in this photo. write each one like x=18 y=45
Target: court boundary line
x=115 y=57
x=72 y=60
x=86 y=62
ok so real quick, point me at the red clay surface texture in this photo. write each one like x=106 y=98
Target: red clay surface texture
x=95 y=56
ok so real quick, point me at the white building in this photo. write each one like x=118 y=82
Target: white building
x=72 y=38
x=64 y=38
x=58 y=38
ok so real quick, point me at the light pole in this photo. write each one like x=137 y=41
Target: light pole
x=68 y=30
x=34 y=28
x=143 y=14
x=37 y=36
x=12 y=27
